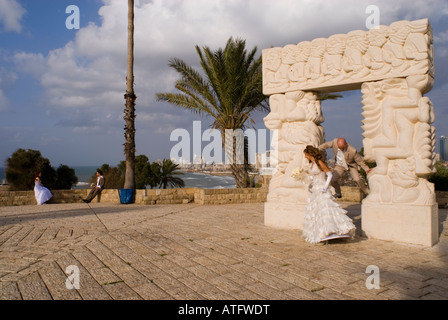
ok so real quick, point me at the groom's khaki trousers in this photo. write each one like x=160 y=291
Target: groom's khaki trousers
x=338 y=179
x=93 y=193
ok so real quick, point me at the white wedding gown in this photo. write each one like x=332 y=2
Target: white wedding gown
x=41 y=193
x=324 y=218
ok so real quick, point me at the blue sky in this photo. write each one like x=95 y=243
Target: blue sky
x=43 y=25
x=61 y=91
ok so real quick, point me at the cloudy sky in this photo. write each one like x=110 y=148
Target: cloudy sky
x=61 y=90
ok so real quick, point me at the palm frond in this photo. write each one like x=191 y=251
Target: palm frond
x=328 y=96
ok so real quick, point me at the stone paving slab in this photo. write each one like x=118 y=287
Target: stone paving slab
x=198 y=252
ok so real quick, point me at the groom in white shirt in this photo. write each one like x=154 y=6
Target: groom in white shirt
x=96 y=190
x=346 y=159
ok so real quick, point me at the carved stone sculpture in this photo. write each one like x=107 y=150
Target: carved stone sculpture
x=402 y=49
x=399 y=137
x=296 y=118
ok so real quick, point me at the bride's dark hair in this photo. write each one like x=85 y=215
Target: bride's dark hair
x=316 y=154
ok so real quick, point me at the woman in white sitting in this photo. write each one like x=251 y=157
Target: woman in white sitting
x=41 y=193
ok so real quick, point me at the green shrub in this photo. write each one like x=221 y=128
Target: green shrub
x=23 y=165
x=440 y=177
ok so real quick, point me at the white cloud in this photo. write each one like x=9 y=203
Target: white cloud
x=30 y=63
x=11 y=13
x=4 y=102
x=441 y=37
x=7 y=81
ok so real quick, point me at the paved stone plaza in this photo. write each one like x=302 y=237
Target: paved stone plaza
x=201 y=252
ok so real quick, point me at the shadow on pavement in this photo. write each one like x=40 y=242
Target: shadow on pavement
x=70 y=213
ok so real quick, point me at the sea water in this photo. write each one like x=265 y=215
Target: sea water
x=191 y=179
x=207 y=181
x=84 y=175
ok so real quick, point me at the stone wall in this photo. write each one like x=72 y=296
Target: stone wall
x=167 y=196
x=225 y=196
x=18 y=198
x=176 y=196
x=144 y=197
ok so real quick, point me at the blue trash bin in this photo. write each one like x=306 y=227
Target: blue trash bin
x=126 y=195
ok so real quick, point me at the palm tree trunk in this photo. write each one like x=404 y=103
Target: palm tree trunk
x=238 y=169
x=239 y=172
x=129 y=112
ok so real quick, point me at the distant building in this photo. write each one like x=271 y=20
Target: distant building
x=443 y=148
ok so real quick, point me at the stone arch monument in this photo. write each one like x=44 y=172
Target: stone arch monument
x=393 y=67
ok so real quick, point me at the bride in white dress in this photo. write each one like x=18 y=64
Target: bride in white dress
x=41 y=193
x=324 y=218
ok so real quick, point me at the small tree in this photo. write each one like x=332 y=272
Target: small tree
x=154 y=174
x=65 y=177
x=164 y=174
x=440 y=177
x=168 y=176
x=142 y=171
x=23 y=165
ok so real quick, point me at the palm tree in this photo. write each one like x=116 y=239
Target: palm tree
x=154 y=175
x=230 y=91
x=327 y=96
x=164 y=174
x=129 y=112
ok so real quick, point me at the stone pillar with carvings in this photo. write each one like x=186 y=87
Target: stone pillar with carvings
x=295 y=119
x=399 y=137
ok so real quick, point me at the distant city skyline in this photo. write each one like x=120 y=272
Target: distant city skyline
x=62 y=88
x=442 y=143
